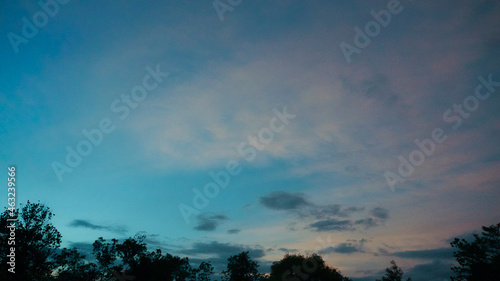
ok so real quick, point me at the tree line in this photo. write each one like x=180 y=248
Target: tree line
x=37 y=256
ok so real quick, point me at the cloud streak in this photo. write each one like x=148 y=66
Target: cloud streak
x=325 y=217
x=207 y=222
x=87 y=224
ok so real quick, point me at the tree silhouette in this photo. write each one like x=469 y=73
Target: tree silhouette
x=479 y=259
x=105 y=254
x=241 y=268
x=132 y=258
x=71 y=266
x=203 y=272
x=38 y=257
x=393 y=273
x=36 y=241
x=301 y=268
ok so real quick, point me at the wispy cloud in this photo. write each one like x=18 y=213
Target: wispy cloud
x=431 y=254
x=326 y=217
x=208 y=222
x=349 y=247
x=223 y=250
x=233 y=231
x=89 y=225
x=281 y=200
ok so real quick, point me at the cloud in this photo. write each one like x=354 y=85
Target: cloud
x=326 y=217
x=432 y=254
x=367 y=223
x=297 y=204
x=433 y=271
x=380 y=213
x=288 y=250
x=87 y=224
x=222 y=250
x=350 y=247
x=281 y=200
x=209 y=222
x=343 y=225
x=320 y=212
x=233 y=231
x=333 y=225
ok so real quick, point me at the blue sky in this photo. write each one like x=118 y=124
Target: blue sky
x=315 y=182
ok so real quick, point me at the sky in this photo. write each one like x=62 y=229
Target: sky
x=364 y=131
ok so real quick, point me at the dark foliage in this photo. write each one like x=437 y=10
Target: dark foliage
x=479 y=259
x=393 y=273
x=304 y=268
x=241 y=268
x=38 y=257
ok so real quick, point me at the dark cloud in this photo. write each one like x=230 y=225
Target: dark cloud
x=296 y=203
x=340 y=249
x=367 y=223
x=351 y=246
x=325 y=217
x=433 y=271
x=342 y=225
x=209 y=222
x=286 y=250
x=87 y=224
x=332 y=225
x=380 y=213
x=468 y=236
x=321 y=212
x=281 y=200
x=433 y=254
x=233 y=231
x=223 y=250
